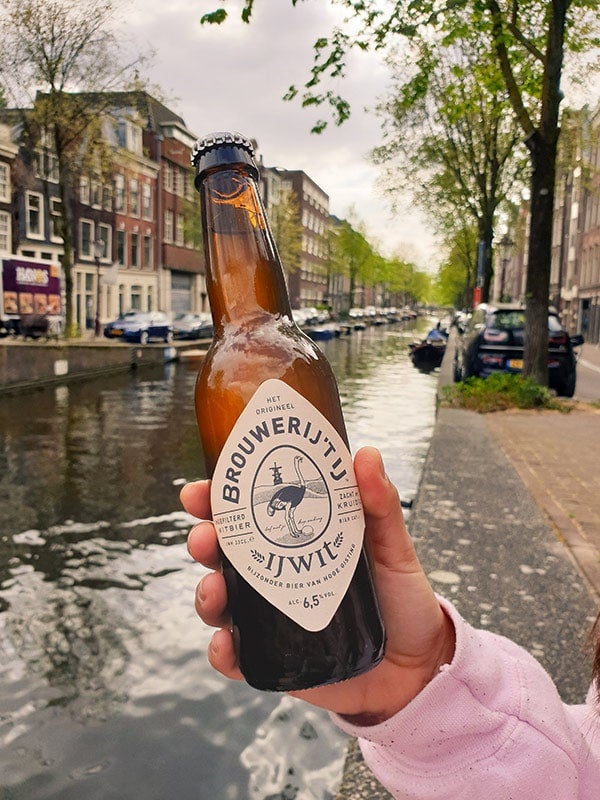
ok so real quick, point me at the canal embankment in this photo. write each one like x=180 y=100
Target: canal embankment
x=26 y=365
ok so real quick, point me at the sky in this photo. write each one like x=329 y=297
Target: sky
x=233 y=77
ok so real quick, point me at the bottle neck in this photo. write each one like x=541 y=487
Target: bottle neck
x=244 y=276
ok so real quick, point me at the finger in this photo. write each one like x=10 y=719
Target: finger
x=203 y=546
x=195 y=498
x=387 y=538
x=211 y=600
x=410 y=610
x=222 y=656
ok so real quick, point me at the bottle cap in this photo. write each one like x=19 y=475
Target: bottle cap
x=220 y=149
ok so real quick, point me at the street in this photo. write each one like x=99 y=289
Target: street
x=588 y=374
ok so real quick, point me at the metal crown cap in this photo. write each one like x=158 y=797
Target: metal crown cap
x=220 y=150
x=218 y=140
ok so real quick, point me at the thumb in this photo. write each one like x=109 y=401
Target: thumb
x=388 y=541
x=409 y=607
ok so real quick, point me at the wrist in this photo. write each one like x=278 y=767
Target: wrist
x=406 y=682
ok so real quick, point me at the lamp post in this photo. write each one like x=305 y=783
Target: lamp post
x=506 y=244
x=98 y=252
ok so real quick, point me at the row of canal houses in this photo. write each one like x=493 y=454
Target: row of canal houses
x=134 y=245
x=575 y=266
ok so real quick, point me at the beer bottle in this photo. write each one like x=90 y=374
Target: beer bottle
x=284 y=496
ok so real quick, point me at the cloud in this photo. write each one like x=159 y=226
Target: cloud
x=233 y=77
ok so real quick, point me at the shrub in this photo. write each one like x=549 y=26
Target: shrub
x=499 y=392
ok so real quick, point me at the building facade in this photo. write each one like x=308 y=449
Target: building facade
x=308 y=285
x=575 y=265
x=136 y=233
x=135 y=227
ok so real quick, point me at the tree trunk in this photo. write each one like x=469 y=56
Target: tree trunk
x=538 y=268
x=67 y=236
x=486 y=235
x=542 y=148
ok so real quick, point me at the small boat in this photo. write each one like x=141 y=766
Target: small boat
x=322 y=333
x=428 y=354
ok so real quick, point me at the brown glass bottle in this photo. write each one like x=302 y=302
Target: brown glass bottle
x=255 y=339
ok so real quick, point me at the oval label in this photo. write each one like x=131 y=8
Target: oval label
x=286 y=505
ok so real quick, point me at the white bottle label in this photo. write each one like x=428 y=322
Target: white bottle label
x=286 y=505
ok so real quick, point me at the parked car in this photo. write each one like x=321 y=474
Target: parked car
x=193 y=326
x=142 y=327
x=493 y=342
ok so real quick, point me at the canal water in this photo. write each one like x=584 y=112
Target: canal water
x=105 y=691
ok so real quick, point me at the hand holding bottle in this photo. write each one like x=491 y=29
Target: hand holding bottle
x=420 y=638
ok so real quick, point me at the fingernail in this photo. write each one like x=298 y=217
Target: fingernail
x=382 y=471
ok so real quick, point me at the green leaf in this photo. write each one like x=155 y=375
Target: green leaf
x=247 y=11
x=214 y=17
x=291 y=93
x=319 y=127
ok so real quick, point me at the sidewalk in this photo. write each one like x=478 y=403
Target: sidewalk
x=590 y=356
x=556 y=457
x=513 y=499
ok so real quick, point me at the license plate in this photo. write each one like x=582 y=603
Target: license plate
x=515 y=363
x=116 y=332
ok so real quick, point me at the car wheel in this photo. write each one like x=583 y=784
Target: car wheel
x=169 y=337
x=144 y=337
x=566 y=388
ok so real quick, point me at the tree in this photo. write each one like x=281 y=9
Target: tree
x=456 y=276
x=449 y=137
x=287 y=230
x=58 y=57
x=351 y=254
x=535 y=32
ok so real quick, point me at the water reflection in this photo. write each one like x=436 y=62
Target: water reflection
x=103 y=676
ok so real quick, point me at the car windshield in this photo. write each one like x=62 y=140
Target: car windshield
x=514 y=319
x=509 y=320
x=133 y=316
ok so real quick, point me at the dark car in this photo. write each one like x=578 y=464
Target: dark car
x=140 y=326
x=193 y=326
x=493 y=342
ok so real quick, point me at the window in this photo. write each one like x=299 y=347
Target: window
x=146 y=201
x=121 y=247
x=179 y=231
x=135 y=249
x=106 y=198
x=129 y=136
x=134 y=196
x=168 y=176
x=4 y=183
x=134 y=137
x=119 y=192
x=55 y=218
x=168 y=226
x=5 y=243
x=34 y=204
x=136 y=297
x=187 y=186
x=86 y=238
x=46 y=164
x=105 y=236
x=148 y=260
x=84 y=190
x=96 y=194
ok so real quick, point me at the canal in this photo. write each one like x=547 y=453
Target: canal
x=105 y=691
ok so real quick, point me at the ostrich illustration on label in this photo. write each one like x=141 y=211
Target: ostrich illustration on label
x=287 y=498
x=290 y=498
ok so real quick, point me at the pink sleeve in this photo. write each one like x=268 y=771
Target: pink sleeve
x=489 y=726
